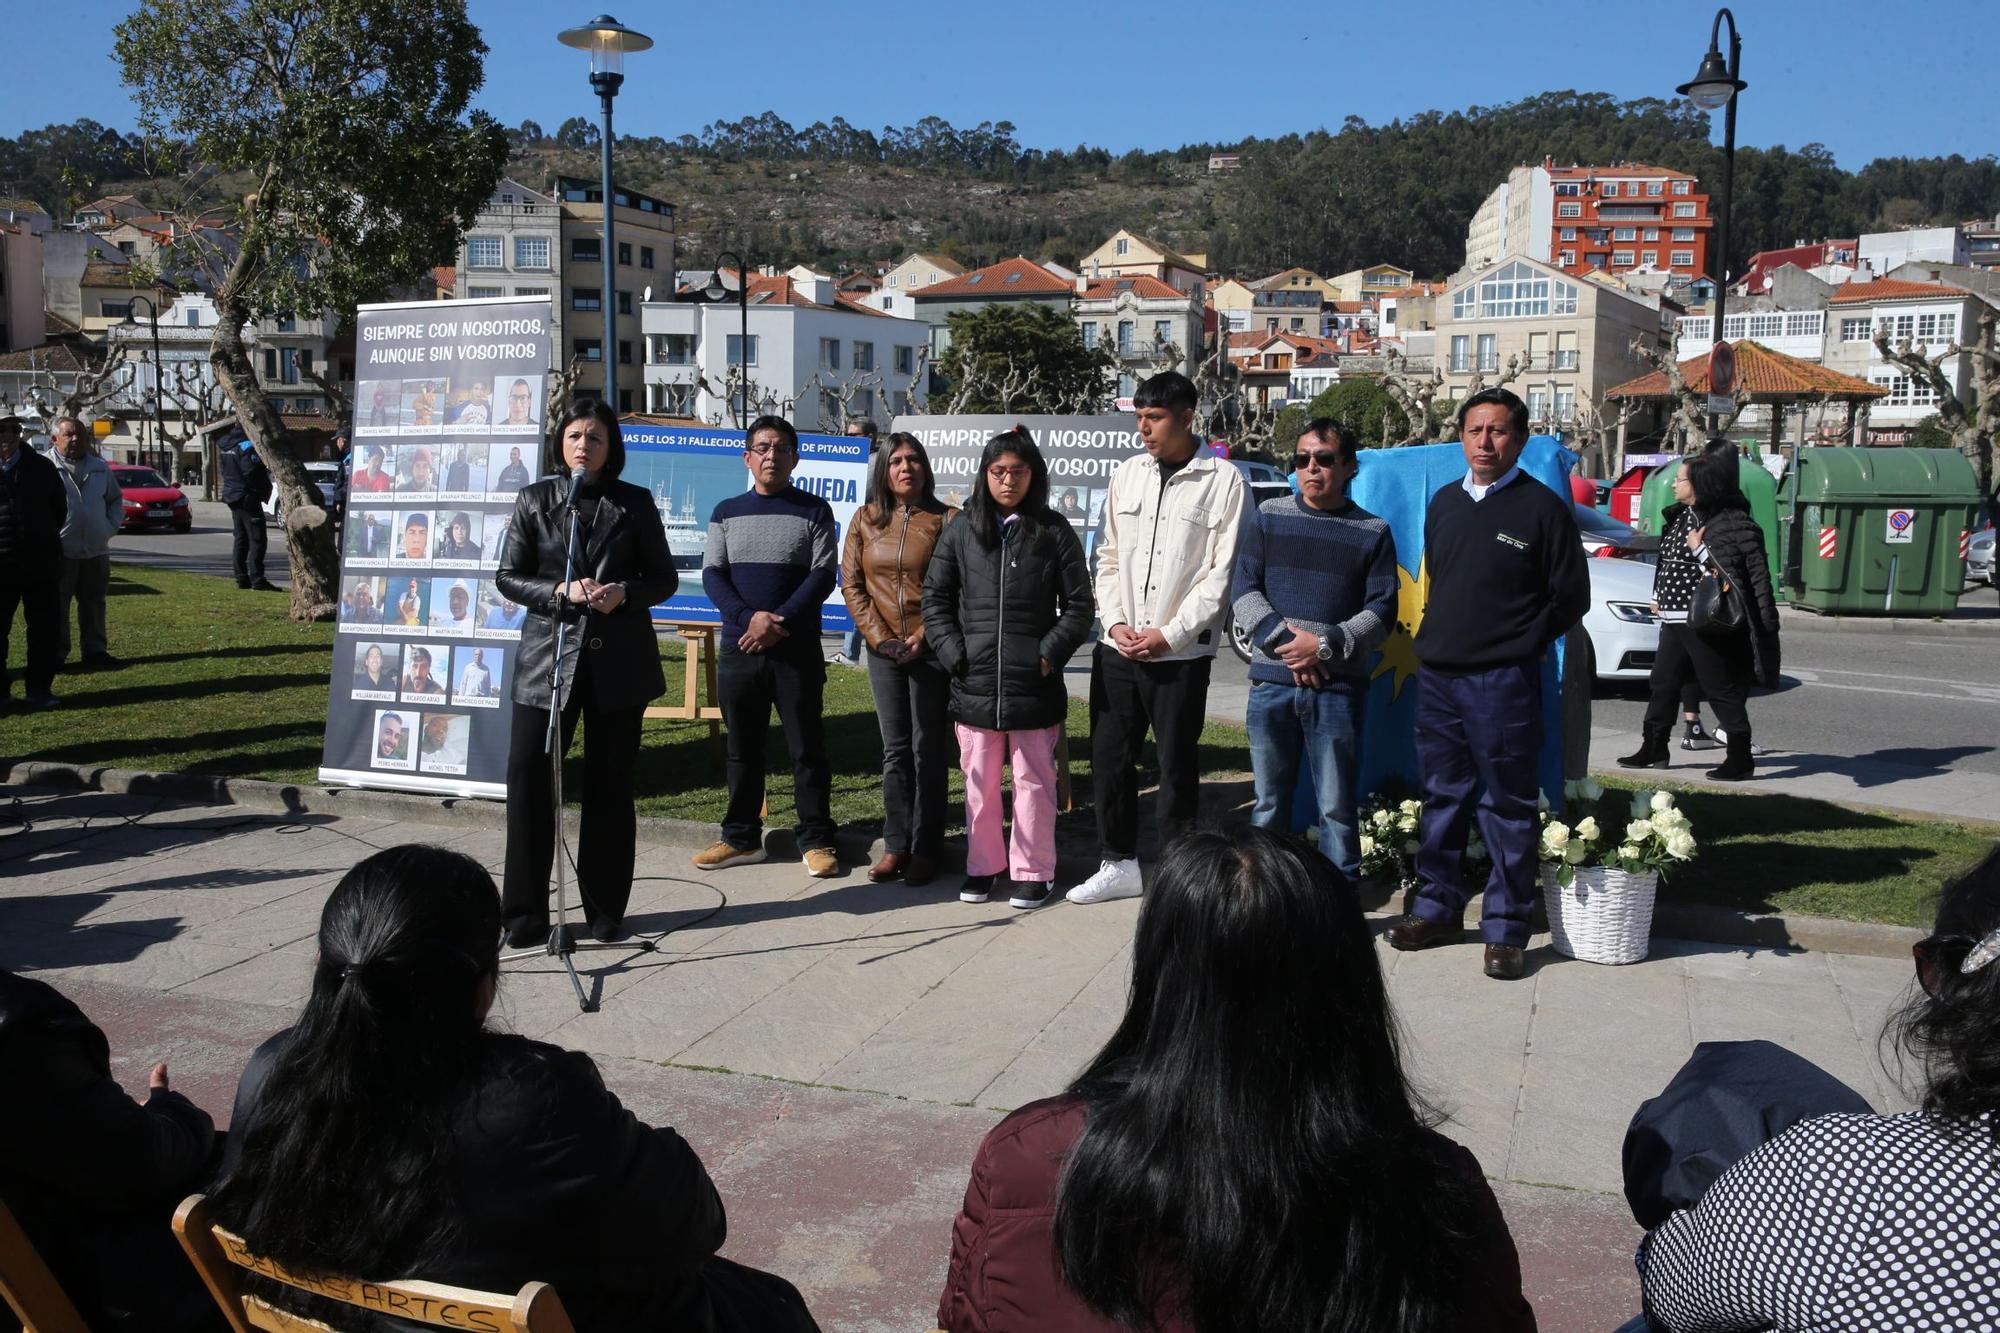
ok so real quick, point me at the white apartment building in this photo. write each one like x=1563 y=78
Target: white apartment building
x=1883 y=251
x=1796 y=333
x=1930 y=314
x=810 y=357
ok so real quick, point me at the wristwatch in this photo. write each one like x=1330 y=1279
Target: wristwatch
x=1325 y=651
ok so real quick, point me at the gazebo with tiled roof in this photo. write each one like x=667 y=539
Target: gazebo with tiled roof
x=1766 y=378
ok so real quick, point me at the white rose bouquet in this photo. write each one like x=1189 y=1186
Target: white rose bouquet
x=1654 y=833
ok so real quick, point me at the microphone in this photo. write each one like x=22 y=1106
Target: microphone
x=575 y=485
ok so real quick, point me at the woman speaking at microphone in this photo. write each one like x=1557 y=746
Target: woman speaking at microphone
x=610 y=668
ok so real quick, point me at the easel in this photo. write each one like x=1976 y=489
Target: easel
x=699 y=640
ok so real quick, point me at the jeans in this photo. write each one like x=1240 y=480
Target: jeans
x=750 y=683
x=911 y=705
x=248 y=551
x=86 y=580
x=609 y=828
x=1030 y=854
x=39 y=604
x=1126 y=697
x=1323 y=727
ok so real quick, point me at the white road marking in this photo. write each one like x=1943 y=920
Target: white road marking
x=1973 y=693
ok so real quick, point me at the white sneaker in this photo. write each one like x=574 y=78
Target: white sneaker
x=1723 y=736
x=1114 y=879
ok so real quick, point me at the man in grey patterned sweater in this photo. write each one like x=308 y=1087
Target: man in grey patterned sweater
x=1315 y=587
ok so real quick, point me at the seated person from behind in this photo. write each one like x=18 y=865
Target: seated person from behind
x=91 y=1175
x=391 y=1132
x=1245 y=1152
x=1867 y=1222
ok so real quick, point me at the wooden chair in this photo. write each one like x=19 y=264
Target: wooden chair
x=30 y=1288
x=218 y=1255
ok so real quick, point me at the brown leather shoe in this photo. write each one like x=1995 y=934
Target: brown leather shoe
x=920 y=871
x=1504 y=962
x=889 y=867
x=1415 y=932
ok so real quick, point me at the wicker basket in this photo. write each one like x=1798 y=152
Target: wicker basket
x=1604 y=916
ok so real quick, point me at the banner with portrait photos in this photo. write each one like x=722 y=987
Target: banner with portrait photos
x=690 y=469
x=448 y=405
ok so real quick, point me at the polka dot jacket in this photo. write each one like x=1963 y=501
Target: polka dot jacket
x=1675 y=577
x=1844 y=1223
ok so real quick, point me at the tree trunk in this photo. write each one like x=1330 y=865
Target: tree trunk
x=309 y=543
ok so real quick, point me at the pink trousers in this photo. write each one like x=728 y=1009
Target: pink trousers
x=982 y=754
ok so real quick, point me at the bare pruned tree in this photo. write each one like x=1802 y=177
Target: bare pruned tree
x=1689 y=417
x=1972 y=424
x=1512 y=371
x=1413 y=393
x=91 y=388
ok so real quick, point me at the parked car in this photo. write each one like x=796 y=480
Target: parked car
x=1979 y=557
x=1263 y=480
x=150 y=500
x=325 y=475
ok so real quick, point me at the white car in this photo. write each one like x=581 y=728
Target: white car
x=1979 y=558
x=325 y=475
x=1623 y=632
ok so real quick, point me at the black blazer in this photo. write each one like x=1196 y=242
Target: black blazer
x=624 y=543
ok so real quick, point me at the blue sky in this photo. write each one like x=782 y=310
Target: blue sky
x=1838 y=72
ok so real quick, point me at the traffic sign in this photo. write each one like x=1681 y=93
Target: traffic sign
x=1902 y=527
x=1720 y=404
x=1721 y=369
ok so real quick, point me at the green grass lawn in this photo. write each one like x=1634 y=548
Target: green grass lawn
x=219 y=682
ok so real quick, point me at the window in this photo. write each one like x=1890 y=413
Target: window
x=288 y=365
x=864 y=356
x=1461 y=355
x=1684 y=210
x=1624 y=234
x=1122 y=245
x=1649 y=257
x=483 y=252
x=1569 y=210
x=1567 y=356
x=906 y=360
x=1125 y=336
x=485 y=293
x=1298 y=325
x=1937 y=329
x=625 y=253
x=733 y=349
x=531 y=291
x=1610 y=190
x=585 y=250
x=1805 y=324
x=624 y=351
x=624 y=400
x=586 y=298
x=1089 y=339
x=531 y=252
x=1538 y=404
x=588 y=349
x=1569 y=233
x=1763 y=325
x=1681 y=258
x=1569 y=188
x=1163 y=330
x=902 y=403
x=1489 y=351
x=829 y=354
x=678 y=400
x=1899 y=327
x=1514 y=292
x=1654 y=189
x=1652 y=233
x=1683 y=233
x=675 y=349
x=1622 y=258
x=1565 y=404
x=194 y=319
x=1695 y=329
x=1683 y=187
x=1538 y=351
x=645 y=256
x=1569 y=259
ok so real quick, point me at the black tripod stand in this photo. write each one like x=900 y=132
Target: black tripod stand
x=562 y=942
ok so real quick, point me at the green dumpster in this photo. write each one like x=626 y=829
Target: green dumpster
x=1758 y=488
x=1878 y=531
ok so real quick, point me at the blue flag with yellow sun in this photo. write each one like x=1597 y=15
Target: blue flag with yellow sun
x=1397 y=485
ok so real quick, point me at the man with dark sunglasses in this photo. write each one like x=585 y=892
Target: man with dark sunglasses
x=1315 y=585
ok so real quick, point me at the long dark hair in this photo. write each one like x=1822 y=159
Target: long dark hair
x=881 y=499
x=599 y=411
x=1034 y=507
x=1954 y=1035
x=346 y=1158
x=1254 y=1157
x=1713 y=477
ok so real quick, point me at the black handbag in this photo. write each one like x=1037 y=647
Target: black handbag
x=1717 y=609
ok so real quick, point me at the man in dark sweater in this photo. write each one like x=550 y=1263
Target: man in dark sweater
x=1315 y=586
x=33 y=506
x=769 y=565
x=1507 y=580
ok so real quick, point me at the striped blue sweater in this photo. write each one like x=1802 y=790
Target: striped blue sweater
x=1332 y=574
x=771 y=553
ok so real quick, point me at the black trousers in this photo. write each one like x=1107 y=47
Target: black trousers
x=1127 y=697
x=604 y=844
x=750 y=684
x=248 y=551
x=912 y=705
x=1723 y=669
x=40 y=604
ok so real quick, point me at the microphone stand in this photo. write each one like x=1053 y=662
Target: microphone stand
x=562 y=942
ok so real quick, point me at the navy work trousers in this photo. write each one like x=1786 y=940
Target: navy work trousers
x=1478 y=733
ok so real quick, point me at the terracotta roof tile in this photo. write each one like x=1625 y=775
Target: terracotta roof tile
x=1008 y=279
x=62 y=358
x=1143 y=286
x=1765 y=373
x=1882 y=289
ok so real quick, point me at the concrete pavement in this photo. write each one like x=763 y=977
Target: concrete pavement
x=834 y=1049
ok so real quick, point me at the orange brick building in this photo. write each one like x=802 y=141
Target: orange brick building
x=1625 y=217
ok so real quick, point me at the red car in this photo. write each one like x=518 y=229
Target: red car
x=149 y=501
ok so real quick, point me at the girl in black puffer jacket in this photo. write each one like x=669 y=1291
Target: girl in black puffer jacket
x=1006 y=603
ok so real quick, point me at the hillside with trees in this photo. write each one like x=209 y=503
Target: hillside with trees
x=839 y=195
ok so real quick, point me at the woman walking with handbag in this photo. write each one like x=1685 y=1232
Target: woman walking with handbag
x=1718 y=619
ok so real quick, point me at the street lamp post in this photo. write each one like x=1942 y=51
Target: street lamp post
x=1715 y=84
x=159 y=373
x=608 y=41
x=715 y=291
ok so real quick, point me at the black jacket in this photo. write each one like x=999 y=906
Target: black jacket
x=558 y=1182
x=991 y=614
x=245 y=479
x=623 y=543
x=33 y=505
x=1736 y=545
x=92 y=1175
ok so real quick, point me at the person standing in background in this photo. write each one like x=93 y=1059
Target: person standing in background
x=96 y=510
x=31 y=518
x=246 y=484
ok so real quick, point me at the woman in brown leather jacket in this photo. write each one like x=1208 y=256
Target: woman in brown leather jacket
x=889 y=542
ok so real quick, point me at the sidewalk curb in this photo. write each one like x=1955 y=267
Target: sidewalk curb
x=1686 y=921
x=1810 y=622
x=1686 y=778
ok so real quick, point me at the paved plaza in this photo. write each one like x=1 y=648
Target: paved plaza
x=835 y=1049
